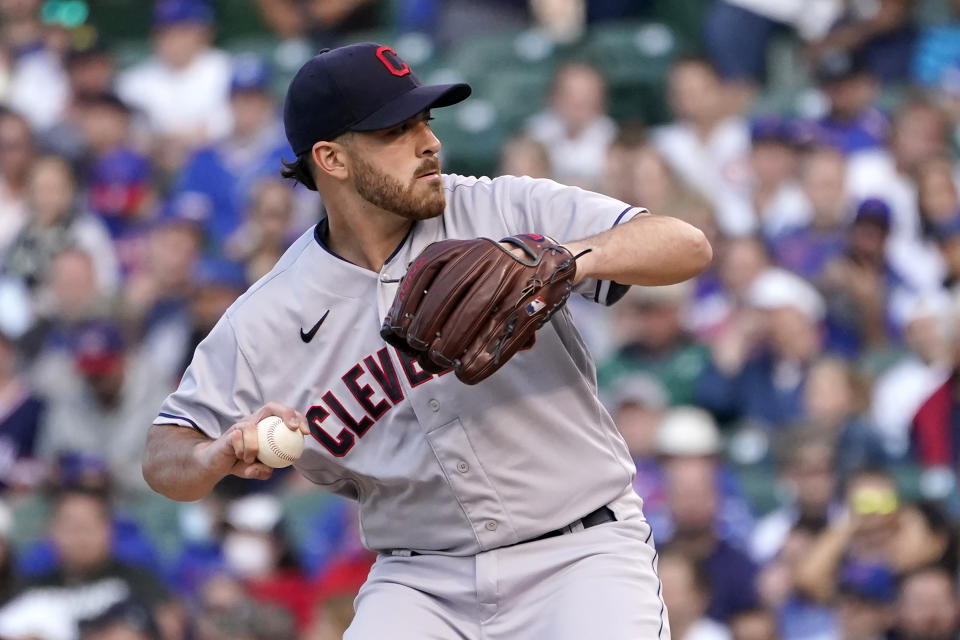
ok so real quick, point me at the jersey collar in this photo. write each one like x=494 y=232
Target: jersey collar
x=322 y=230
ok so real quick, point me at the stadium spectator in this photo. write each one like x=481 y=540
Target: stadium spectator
x=653 y=183
x=685 y=434
x=256 y=549
x=882 y=32
x=638 y=404
x=694 y=500
x=933 y=428
x=575 y=128
x=56 y=222
x=686 y=593
x=521 y=155
x=805 y=249
x=777 y=202
x=899 y=391
x=720 y=301
x=95 y=395
x=16 y=159
x=938 y=197
x=808 y=248
x=183 y=318
x=865 y=599
x=88 y=580
x=91 y=68
x=798 y=617
x=834 y=401
x=225 y=611
x=618 y=176
x=118 y=181
x=853 y=122
x=919 y=133
x=183 y=87
x=881 y=531
x=736 y=34
x=266 y=231
x=21 y=414
x=862 y=287
x=760 y=364
x=174 y=243
x=807 y=475
x=38 y=87
x=70 y=297
x=648 y=325
x=225 y=173
x=706 y=146
x=927 y=607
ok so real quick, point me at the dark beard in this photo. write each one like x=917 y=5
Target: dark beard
x=389 y=194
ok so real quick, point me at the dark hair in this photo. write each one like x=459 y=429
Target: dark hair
x=300 y=170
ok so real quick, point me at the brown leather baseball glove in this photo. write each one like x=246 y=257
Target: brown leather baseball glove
x=469 y=305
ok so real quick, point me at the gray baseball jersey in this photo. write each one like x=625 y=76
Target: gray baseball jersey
x=436 y=466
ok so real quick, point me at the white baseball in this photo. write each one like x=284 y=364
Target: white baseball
x=278 y=445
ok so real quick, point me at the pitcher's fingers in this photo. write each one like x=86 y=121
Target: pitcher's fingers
x=236 y=441
x=290 y=416
x=250 y=442
x=256 y=471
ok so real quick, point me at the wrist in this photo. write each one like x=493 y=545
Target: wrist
x=585 y=262
x=205 y=457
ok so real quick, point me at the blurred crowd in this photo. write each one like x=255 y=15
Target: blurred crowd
x=794 y=412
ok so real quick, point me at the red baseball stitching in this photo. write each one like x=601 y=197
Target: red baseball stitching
x=271 y=442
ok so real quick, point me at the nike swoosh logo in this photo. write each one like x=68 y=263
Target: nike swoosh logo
x=308 y=336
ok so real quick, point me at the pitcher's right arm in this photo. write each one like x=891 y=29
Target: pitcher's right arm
x=184 y=464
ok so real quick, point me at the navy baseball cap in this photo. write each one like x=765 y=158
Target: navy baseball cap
x=874 y=210
x=359 y=87
x=250 y=73
x=772 y=128
x=171 y=12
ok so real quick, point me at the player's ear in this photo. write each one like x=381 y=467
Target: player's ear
x=330 y=159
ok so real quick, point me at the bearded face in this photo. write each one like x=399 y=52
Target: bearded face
x=419 y=198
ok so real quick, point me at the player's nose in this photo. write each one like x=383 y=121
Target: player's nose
x=429 y=142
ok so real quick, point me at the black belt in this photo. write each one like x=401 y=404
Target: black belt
x=592 y=519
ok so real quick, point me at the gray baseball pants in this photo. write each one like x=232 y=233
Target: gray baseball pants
x=599 y=582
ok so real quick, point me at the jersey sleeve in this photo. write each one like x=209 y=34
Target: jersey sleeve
x=217 y=389
x=565 y=214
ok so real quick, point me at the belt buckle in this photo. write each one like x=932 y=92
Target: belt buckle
x=574 y=527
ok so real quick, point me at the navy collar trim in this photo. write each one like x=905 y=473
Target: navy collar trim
x=322 y=229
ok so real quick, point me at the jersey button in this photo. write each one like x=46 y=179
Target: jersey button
x=491 y=525
x=434 y=405
x=463 y=467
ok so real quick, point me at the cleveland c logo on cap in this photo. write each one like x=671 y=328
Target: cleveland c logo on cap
x=391 y=62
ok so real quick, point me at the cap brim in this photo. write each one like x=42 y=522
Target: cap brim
x=411 y=103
